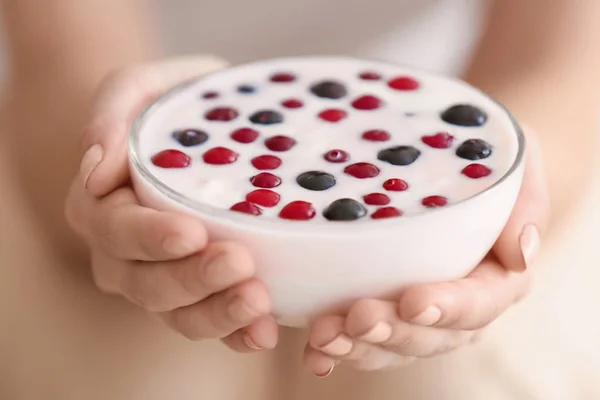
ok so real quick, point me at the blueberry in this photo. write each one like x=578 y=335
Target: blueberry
x=329 y=90
x=266 y=117
x=246 y=89
x=474 y=149
x=316 y=180
x=399 y=155
x=190 y=137
x=344 y=210
x=464 y=115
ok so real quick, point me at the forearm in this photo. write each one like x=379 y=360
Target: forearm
x=541 y=58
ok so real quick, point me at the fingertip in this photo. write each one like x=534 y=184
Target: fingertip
x=263 y=334
x=420 y=305
x=363 y=315
x=324 y=330
x=255 y=295
x=320 y=364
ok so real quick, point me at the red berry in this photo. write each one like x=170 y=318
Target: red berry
x=220 y=156
x=279 y=143
x=434 y=201
x=386 y=212
x=336 y=156
x=210 y=95
x=332 y=115
x=292 y=103
x=370 y=76
x=246 y=208
x=244 y=135
x=223 y=114
x=171 y=159
x=376 y=135
x=476 y=171
x=298 y=210
x=376 y=199
x=266 y=161
x=367 y=102
x=362 y=170
x=265 y=180
x=441 y=140
x=263 y=197
x=404 y=83
x=282 y=77
x=395 y=185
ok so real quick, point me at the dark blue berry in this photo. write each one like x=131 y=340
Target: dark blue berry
x=329 y=90
x=464 y=115
x=399 y=155
x=266 y=117
x=246 y=89
x=190 y=137
x=316 y=180
x=344 y=210
x=474 y=149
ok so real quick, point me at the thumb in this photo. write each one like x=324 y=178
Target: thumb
x=121 y=96
x=519 y=242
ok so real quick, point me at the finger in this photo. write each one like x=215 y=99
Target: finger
x=469 y=303
x=518 y=244
x=121 y=97
x=318 y=363
x=223 y=313
x=128 y=231
x=260 y=335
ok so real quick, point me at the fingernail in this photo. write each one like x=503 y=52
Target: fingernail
x=340 y=346
x=326 y=374
x=430 y=316
x=250 y=343
x=241 y=311
x=176 y=245
x=530 y=243
x=380 y=333
x=90 y=161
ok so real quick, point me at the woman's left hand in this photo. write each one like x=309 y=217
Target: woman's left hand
x=435 y=318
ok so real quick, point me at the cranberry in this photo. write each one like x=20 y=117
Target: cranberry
x=265 y=180
x=220 y=156
x=222 y=114
x=336 y=156
x=210 y=95
x=244 y=135
x=403 y=83
x=292 y=103
x=395 y=185
x=362 y=170
x=476 y=171
x=376 y=135
x=263 y=197
x=279 y=143
x=376 y=199
x=266 y=161
x=367 y=102
x=332 y=115
x=246 y=208
x=171 y=159
x=298 y=210
x=434 y=201
x=282 y=77
x=386 y=212
x=369 y=76
x=441 y=140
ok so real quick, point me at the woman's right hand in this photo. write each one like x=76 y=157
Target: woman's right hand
x=161 y=261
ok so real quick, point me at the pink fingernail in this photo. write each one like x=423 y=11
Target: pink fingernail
x=250 y=343
x=430 y=316
x=326 y=374
x=380 y=333
x=89 y=162
x=340 y=346
x=529 y=241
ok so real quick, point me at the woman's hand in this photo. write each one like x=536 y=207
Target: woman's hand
x=161 y=261
x=435 y=318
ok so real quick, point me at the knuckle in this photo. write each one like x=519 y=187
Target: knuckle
x=185 y=322
x=146 y=291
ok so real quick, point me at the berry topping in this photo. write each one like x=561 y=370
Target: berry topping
x=367 y=102
x=210 y=95
x=329 y=90
x=464 y=115
x=266 y=162
x=283 y=77
x=441 y=140
x=292 y=103
x=336 y=156
x=298 y=211
x=404 y=83
x=476 y=171
x=344 y=210
x=332 y=115
x=362 y=170
x=395 y=185
x=246 y=89
x=220 y=156
x=369 y=76
x=376 y=199
x=266 y=117
x=376 y=135
x=190 y=137
x=171 y=159
x=474 y=149
x=244 y=135
x=222 y=114
x=316 y=180
x=386 y=212
x=434 y=201
x=265 y=180
x=279 y=143
x=246 y=208
x=263 y=197
x=399 y=155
